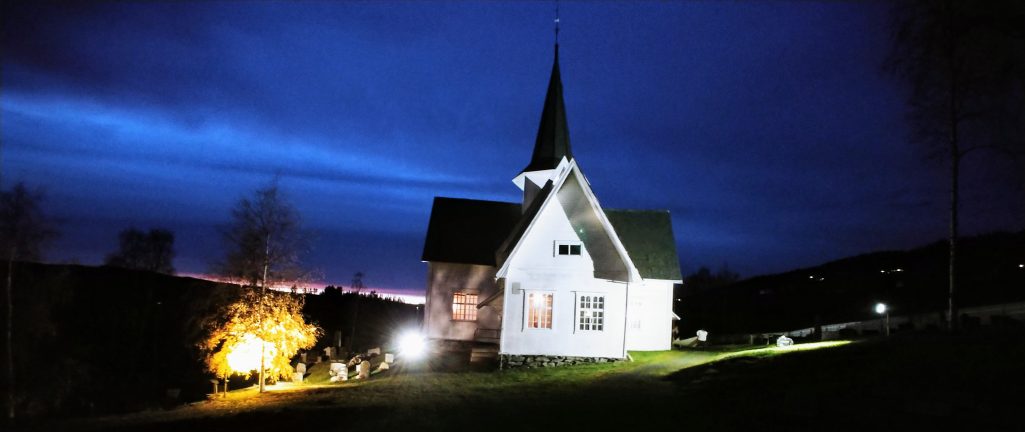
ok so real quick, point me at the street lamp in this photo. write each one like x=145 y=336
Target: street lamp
x=881 y=309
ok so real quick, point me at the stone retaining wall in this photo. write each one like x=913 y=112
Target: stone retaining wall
x=510 y=361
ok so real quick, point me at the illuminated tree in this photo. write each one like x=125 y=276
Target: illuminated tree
x=265 y=244
x=23 y=231
x=243 y=333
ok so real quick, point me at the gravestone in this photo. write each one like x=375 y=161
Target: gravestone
x=702 y=336
x=389 y=358
x=364 y=370
x=784 y=341
x=300 y=368
x=382 y=367
x=297 y=377
x=338 y=372
x=336 y=368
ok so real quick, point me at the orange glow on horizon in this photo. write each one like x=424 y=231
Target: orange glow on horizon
x=318 y=287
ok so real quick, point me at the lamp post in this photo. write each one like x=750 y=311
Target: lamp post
x=881 y=309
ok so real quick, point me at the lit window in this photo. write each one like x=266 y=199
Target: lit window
x=539 y=310
x=568 y=248
x=464 y=307
x=591 y=313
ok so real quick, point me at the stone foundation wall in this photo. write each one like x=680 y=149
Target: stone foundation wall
x=510 y=361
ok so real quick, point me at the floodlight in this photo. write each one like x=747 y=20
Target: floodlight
x=412 y=345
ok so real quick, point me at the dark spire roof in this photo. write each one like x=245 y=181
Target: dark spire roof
x=553 y=133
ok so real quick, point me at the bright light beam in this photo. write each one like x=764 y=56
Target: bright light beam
x=412 y=345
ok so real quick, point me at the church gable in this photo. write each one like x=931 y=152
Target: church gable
x=551 y=245
x=588 y=225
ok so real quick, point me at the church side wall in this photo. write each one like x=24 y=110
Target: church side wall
x=650 y=316
x=445 y=279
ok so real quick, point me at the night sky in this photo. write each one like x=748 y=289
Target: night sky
x=768 y=129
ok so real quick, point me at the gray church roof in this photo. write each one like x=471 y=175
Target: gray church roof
x=468 y=231
x=648 y=238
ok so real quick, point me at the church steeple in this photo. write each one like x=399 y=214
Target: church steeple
x=552 y=142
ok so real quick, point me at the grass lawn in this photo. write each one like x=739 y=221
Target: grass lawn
x=909 y=382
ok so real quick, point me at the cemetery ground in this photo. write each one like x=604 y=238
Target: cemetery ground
x=973 y=380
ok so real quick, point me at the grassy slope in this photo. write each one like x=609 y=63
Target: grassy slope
x=914 y=382
x=900 y=383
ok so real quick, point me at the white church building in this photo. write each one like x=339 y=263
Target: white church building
x=556 y=274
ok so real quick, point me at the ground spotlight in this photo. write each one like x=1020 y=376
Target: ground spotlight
x=412 y=345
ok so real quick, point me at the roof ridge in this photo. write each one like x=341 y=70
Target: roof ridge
x=437 y=197
x=638 y=210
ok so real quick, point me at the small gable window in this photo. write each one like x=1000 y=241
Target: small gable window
x=568 y=248
x=464 y=307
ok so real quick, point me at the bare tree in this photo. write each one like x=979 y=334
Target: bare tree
x=963 y=63
x=24 y=230
x=152 y=251
x=265 y=244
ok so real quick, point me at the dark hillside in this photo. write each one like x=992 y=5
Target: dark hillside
x=93 y=340
x=912 y=282
x=101 y=339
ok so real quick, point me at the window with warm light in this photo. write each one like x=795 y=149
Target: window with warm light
x=591 y=313
x=539 y=310
x=464 y=307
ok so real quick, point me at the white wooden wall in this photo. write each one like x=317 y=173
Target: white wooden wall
x=650 y=316
x=537 y=267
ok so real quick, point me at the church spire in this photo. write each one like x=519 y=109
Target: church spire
x=552 y=142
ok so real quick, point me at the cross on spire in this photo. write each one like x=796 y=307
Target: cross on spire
x=556 y=22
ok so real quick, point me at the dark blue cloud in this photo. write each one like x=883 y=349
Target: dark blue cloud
x=767 y=128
